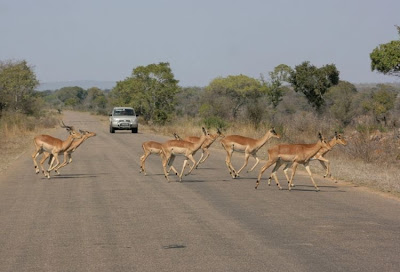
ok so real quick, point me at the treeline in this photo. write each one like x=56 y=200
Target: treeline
x=157 y=97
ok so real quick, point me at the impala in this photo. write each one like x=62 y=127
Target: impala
x=337 y=139
x=68 y=153
x=248 y=146
x=54 y=146
x=152 y=147
x=204 y=147
x=173 y=148
x=294 y=154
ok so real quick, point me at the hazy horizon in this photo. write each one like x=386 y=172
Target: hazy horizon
x=202 y=40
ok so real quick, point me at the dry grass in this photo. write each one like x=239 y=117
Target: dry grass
x=16 y=134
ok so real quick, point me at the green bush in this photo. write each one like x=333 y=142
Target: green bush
x=214 y=122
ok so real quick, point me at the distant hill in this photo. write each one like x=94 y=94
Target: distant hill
x=84 y=84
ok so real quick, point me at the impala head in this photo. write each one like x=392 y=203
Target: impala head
x=75 y=134
x=177 y=137
x=340 y=139
x=219 y=133
x=71 y=130
x=324 y=143
x=68 y=128
x=87 y=134
x=273 y=133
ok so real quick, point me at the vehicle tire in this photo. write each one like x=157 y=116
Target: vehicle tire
x=134 y=130
x=112 y=130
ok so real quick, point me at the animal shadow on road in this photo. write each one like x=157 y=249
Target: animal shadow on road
x=311 y=188
x=75 y=176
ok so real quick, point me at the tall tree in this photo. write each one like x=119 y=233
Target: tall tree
x=17 y=85
x=313 y=82
x=381 y=101
x=225 y=97
x=339 y=101
x=386 y=58
x=151 y=90
x=275 y=89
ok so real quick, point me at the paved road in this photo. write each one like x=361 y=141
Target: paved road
x=100 y=214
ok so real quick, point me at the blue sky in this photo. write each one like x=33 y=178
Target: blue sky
x=105 y=40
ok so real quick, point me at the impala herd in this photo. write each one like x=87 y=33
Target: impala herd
x=290 y=155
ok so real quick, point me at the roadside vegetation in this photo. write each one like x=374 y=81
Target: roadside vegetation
x=298 y=101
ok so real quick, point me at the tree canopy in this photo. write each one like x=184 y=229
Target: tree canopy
x=151 y=90
x=226 y=97
x=313 y=82
x=17 y=85
x=386 y=58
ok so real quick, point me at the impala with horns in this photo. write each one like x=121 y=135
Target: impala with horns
x=246 y=145
x=54 y=146
x=68 y=153
x=337 y=139
x=152 y=147
x=173 y=148
x=293 y=154
x=205 y=146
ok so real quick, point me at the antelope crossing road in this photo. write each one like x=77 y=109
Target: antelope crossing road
x=101 y=214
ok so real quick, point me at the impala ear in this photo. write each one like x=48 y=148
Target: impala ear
x=320 y=136
x=336 y=135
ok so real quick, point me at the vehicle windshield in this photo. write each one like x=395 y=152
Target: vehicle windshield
x=124 y=112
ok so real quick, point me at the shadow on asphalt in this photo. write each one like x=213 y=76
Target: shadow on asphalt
x=69 y=176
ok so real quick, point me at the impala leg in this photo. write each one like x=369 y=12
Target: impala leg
x=232 y=171
x=285 y=170
x=173 y=169
x=199 y=161
x=254 y=166
x=326 y=165
x=165 y=161
x=46 y=155
x=67 y=160
x=294 y=167
x=205 y=151
x=246 y=161
x=309 y=172
x=262 y=170
x=34 y=156
x=270 y=179
x=183 y=169
x=277 y=165
x=142 y=162
x=55 y=158
x=190 y=157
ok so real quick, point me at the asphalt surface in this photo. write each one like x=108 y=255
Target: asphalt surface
x=101 y=214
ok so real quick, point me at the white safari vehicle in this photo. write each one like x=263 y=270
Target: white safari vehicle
x=123 y=118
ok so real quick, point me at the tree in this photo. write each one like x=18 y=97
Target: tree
x=17 y=85
x=275 y=89
x=226 y=97
x=95 y=100
x=386 y=58
x=339 y=101
x=381 y=102
x=313 y=82
x=188 y=101
x=71 y=96
x=151 y=90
